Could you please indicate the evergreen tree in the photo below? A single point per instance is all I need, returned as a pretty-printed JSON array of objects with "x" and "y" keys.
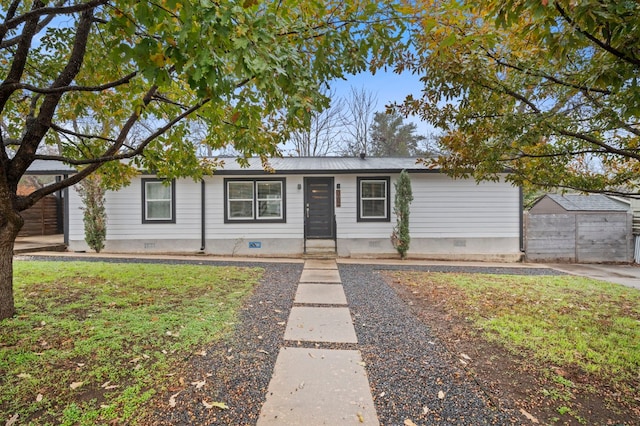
[
  {"x": 392, "y": 137},
  {"x": 404, "y": 196},
  {"x": 95, "y": 216}
]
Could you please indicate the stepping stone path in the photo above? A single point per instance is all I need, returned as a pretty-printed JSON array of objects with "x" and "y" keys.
[{"x": 313, "y": 384}]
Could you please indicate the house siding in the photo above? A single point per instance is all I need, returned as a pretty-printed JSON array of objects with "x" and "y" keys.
[{"x": 450, "y": 219}]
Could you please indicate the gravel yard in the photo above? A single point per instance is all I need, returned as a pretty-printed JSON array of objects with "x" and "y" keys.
[{"x": 412, "y": 375}]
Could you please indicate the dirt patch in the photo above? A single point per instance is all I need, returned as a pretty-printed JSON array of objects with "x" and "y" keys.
[{"x": 514, "y": 380}]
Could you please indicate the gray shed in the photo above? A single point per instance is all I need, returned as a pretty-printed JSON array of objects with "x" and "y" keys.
[{"x": 579, "y": 228}]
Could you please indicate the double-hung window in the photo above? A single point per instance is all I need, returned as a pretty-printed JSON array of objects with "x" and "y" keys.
[
  {"x": 254, "y": 200},
  {"x": 373, "y": 199},
  {"x": 158, "y": 201}
]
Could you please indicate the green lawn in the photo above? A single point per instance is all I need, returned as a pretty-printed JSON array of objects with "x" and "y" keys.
[
  {"x": 564, "y": 321},
  {"x": 92, "y": 342}
]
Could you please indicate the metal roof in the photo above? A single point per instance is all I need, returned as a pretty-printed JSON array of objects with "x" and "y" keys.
[
  {"x": 593, "y": 202},
  {"x": 325, "y": 165},
  {"x": 50, "y": 167}
]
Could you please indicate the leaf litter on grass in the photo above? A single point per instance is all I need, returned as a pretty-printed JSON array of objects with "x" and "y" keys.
[
  {"x": 581, "y": 336},
  {"x": 92, "y": 337}
]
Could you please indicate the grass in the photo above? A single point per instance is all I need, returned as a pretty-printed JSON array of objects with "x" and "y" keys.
[
  {"x": 92, "y": 342},
  {"x": 563, "y": 321}
]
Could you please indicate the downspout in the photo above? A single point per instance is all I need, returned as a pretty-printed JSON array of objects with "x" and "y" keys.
[
  {"x": 65, "y": 215},
  {"x": 202, "y": 217},
  {"x": 521, "y": 207}
]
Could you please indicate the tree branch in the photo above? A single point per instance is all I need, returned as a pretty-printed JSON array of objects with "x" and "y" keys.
[
  {"x": 53, "y": 90},
  {"x": 40, "y": 11},
  {"x": 607, "y": 47},
  {"x": 545, "y": 75},
  {"x": 19, "y": 58},
  {"x": 37, "y": 128}
]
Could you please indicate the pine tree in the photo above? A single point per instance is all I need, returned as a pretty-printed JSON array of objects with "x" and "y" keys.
[{"x": 404, "y": 196}]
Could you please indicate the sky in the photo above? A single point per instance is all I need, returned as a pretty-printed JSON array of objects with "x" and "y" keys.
[{"x": 388, "y": 87}]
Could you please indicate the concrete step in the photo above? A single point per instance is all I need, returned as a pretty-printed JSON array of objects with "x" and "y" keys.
[{"x": 320, "y": 249}]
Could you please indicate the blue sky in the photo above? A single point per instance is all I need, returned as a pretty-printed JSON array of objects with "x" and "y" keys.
[{"x": 388, "y": 87}]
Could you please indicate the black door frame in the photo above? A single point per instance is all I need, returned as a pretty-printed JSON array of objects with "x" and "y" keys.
[{"x": 329, "y": 181}]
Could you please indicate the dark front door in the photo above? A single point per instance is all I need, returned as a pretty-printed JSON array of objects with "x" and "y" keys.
[{"x": 318, "y": 203}]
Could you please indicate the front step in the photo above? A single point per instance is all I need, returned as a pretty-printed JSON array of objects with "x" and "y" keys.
[{"x": 319, "y": 249}]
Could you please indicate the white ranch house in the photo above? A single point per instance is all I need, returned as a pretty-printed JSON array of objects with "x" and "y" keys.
[{"x": 307, "y": 204}]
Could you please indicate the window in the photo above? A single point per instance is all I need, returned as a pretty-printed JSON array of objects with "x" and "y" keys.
[
  {"x": 373, "y": 199},
  {"x": 254, "y": 200},
  {"x": 158, "y": 201}
]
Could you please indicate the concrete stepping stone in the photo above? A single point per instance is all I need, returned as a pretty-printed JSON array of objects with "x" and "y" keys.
[
  {"x": 320, "y": 276},
  {"x": 320, "y": 264},
  {"x": 321, "y": 294},
  {"x": 312, "y": 324},
  {"x": 318, "y": 387}
]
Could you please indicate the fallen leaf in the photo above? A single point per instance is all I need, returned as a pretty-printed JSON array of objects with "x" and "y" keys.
[
  {"x": 362, "y": 364},
  {"x": 465, "y": 356},
  {"x": 282, "y": 323},
  {"x": 199, "y": 384},
  {"x": 220, "y": 405},
  {"x": 136, "y": 359},
  {"x": 202, "y": 353},
  {"x": 262, "y": 351},
  {"x": 172, "y": 399},
  {"x": 463, "y": 362},
  {"x": 528, "y": 416},
  {"x": 311, "y": 355},
  {"x": 80, "y": 364},
  {"x": 12, "y": 420},
  {"x": 40, "y": 397},
  {"x": 360, "y": 418},
  {"x": 425, "y": 410},
  {"x": 440, "y": 395},
  {"x": 76, "y": 385},
  {"x": 24, "y": 375},
  {"x": 108, "y": 386},
  {"x": 408, "y": 422}
]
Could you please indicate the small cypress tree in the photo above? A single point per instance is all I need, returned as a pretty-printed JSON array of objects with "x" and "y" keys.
[
  {"x": 404, "y": 196},
  {"x": 95, "y": 215}
]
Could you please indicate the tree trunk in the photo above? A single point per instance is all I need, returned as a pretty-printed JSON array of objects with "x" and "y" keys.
[{"x": 8, "y": 232}]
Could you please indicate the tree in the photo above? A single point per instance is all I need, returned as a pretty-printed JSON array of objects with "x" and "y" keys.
[
  {"x": 547, "y": 89},
  {"x": 94, "y": 213},
  {"x": 392, "y": 137},
  {"x": 145, "y": 71},
  {"x": 360, "y": 106},
  {"x": 400, "y": 237},
  {"x": 320, "y": 137}
]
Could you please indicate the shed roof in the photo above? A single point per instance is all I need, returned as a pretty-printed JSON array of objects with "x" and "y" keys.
[
  {"x": 325, "y": 165},
  {"x": 592, "y": 202}
]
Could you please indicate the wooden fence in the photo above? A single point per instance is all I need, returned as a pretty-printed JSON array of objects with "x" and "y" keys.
[
  {"x": 42, "y": 218},
  {"x": 581, "y": 238}
]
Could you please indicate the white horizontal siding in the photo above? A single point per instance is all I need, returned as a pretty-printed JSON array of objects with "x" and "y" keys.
[
  {"x": 442, "y": 208},
  {"x": 448, "y": 208}
]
